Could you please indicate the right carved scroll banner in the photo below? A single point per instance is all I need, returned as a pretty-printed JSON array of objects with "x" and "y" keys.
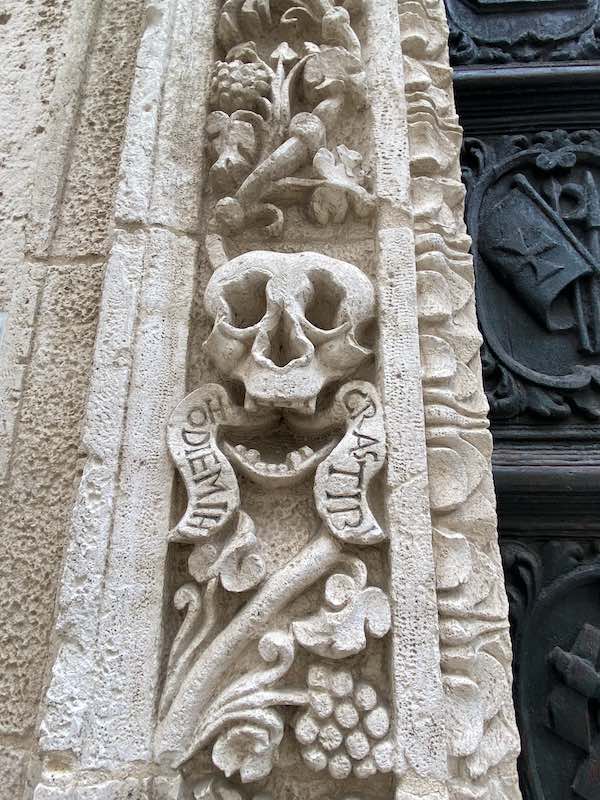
[{"x": 335, "y": 617}]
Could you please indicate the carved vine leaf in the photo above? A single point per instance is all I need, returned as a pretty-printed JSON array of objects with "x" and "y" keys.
[
  {"x": 351, "y": 612},
  {"x": 477, "y": 728},
  {"x": 453, "y": 562},
  {"x": 238, "y": 563},
  {"x": 456, "y": 469},
  {"x": 343, "y": 188}
]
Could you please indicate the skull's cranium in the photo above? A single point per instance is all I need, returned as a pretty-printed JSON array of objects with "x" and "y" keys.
[{"x": 287, "y": 324}]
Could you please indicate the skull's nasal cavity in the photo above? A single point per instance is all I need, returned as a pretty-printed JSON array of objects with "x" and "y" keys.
[{"x": 286, "y": 344}]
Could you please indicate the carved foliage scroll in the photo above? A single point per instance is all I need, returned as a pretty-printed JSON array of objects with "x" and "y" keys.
[
  {"x": 474, "y": 640},
  {"x": 504, "y": 31}
]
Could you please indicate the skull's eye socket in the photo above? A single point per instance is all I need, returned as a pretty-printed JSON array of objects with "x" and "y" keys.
[
  {"x": 323, "y": 310},
  {"x": 246, "y": 299}
]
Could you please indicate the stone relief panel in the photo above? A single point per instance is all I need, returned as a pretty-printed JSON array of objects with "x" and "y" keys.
[
  {"x": 553, "y": 591},
  {"x": 313, "y": 606},
  {"x": 522, "y": 31},
  {"x": 533, "y": 209},
  {"x": 286, "y": 326},
  {"x": 275, "y": 102},
  {"x": 275, "y": 677}
]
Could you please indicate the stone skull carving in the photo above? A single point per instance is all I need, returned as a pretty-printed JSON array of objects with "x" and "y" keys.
[{"x": 287, "y": 324}]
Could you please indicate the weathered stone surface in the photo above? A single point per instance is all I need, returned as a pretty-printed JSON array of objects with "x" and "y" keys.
[
  {"x": 31, "y": 53},
  {"x": 13, "y": 772},
  {"x": 329, "y": 599},
  {"x": 42, "y": 480},
  {"x": 138, "y": 370}
]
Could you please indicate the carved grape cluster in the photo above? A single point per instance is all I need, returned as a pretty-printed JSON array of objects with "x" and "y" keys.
[
  {"x": 239, "y": 85},
  {"x": 345, "y": 727}
]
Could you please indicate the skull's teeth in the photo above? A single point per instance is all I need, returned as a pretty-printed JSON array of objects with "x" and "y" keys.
[{"x": 293, "y": 459}]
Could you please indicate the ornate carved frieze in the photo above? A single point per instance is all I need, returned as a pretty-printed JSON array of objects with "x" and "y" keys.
[
  {"x": 276, "y": 99},
  {"x": 525, "y": 31},
  {"x": 533, "y": 209},
  {"x": 553, "y": 593}
]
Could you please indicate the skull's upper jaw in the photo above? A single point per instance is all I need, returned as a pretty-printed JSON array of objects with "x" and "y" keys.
[{"x": 296, "y": 383}]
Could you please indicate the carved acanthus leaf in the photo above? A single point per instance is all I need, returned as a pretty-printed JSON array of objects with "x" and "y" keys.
[{"x": 246, "y": 728}]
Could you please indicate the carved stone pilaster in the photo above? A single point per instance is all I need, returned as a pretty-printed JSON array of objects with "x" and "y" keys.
[
  {"x": 474, "y": 639},
  {"x": 312, "y": 604}
]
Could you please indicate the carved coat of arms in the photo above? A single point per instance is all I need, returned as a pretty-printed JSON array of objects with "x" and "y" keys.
[{"x": 534, "y": 214}]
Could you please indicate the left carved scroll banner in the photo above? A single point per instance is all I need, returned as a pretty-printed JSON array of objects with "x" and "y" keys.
[{"x": 264, "y": 625}]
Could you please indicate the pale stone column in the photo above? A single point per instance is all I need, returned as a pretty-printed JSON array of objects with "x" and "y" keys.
[
  {"x": 102, "y": 693},
  {"x": 343, "y": 627}
]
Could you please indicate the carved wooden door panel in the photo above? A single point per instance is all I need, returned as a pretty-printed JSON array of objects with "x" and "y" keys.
[{"x": 527, "y": 79}]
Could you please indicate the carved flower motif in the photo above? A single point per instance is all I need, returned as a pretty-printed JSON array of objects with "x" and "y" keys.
[
  {"x": 345, "y": 727},
  {"x": 249, "y": 748},
  {"x": 240, "y": 81}
]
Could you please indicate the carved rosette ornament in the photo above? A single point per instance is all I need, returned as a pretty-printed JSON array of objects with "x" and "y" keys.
[{"x": 362, "y": 643}]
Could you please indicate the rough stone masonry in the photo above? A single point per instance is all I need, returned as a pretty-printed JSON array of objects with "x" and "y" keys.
[{"x": 249, "y": 538}]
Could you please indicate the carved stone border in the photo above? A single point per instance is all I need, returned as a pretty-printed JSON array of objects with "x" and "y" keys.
[{"x": 459, "y": 443}]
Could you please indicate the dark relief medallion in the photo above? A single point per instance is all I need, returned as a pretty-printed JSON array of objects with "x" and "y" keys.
[
  {"x": 554, "y": 594},
  {"x": 533, "y": 210},
  {"x": 522, "y": 31}
]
